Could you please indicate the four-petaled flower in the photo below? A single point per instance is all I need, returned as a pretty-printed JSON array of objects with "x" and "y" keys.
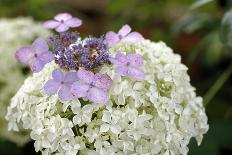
[
  {"x": 35, "y": 56},
  {"x": 62, "y": 22},
  {"x": 124, "y": 34},
  {"x": 61, "y": 84},
  {"x": 84, "y": 83},
  {"x": 93, "y": 86},
  {"x": 129, "y": 65}
]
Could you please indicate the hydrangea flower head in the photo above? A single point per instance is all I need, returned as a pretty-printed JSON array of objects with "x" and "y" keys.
[
  {"x": 129, "y": 65},
  {"x": 123, "y": 34},
  {"x": 155, "y": 111},
  {"x": 61, "y": 84},
  {"x": 93, "y": 86},
  {"x": 62, "y": 22},
  {"x": 35, "y": 56}
]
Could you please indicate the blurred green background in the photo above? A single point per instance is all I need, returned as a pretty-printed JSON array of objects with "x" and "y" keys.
[{"x": 200, "y": 31}]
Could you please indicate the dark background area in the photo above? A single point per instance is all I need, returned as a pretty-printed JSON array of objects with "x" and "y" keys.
[{"x": 201, "y": 34}]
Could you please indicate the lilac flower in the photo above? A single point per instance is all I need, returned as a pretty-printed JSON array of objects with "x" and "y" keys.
[
  {"x": 129, "y": 65},
  {"x": 62, "y": 22},
  {"x": 61, "y": 84},
  {"x": 124, "y": 34},
  {"x": 35, "y": 56},
  {"x": 93, "y": 86}
]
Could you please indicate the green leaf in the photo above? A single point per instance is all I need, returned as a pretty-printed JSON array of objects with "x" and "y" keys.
[
  {"x": 213, "y": 49},
  {"x": 191, "y": 23},
  {"x": 226, "y": 29},
  {"x": 219, "y": 136},
  {"x": 9, "y": 148},
  {"x": 210, "y": 49},
  {"x": 199, "y": 3}
]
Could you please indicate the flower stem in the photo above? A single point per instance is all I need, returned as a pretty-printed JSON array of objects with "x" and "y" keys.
[{"x": 217, "y": 85}]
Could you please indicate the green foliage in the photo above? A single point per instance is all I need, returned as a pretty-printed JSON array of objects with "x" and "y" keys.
[
  {"x": 210, "y": 20},
  {"x": 226, "y": 29},
  {"x": 9, "y": 148},
  {"x": 39, "y": 9},
  {"x": 219, "y": 136},
  {"x": 200, "y": 3},
  {"x": 192, "y": 23},
  {"x": 213, "y": 50}
]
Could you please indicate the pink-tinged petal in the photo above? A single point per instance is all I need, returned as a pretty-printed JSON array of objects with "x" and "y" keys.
[
  {"x": 46, "y": 57},
  {"x": 122, "y": 70},
  {"x": 136, "y": 73},
  {"x": 24, "y": 55},
  {"x": 79, "y": 89},
  {"x": 36, "y": 65},
  {"x": 98, "y": 95},
  {"x": 65, "y": 93},
  {"x": 51, "y": 24},
  {"x": 40, "y": 46},
  {"x": 126, "y": 29},
  {"x": 122, "y": 58},
  {"x": 115, "y": 61},
  {"x": 70, "y": 78},
  {"x": 51, "y": 87},
  {"x": 74, "y": 22},
  {"x": 102, "y": 81},
  {"x": 86, "y": 76},
  {"x": 133, "y": 37},
  {"x": 111, "y": 38},
  {"x": 62, "y": 28},
  {"x": 58, "y": 76},
  {"x": 135, "y": 60},
  {"x": 63, "y": 17}
]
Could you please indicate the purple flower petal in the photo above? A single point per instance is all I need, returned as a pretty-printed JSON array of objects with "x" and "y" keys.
[
  {"x": 120, "y": 59},
  {"x": 136, "y": 74},
  {"x": 62, "y": 28},
  {"x": 65, "y": 93},
  {"x": 24, "y": 55},
  {"x": 51, "y": 87},
  {"x": 133, "y": 37},
  {"x": 36, "y": 65},
  {"x": 129, "y": 65},
  {"x": 40, "y": 46},
  {"x": 102, "y": 81},
  {"x": 122, "y": 70},
  {"x": 111, "y": 38},
  {"x": 79, "y": 89},
  {"x": 58, "y": 76},
  {"x": 70, "y": 78},
  {"x": 74, "y": 22},
  {"x": 126, "y": 29},
  {"x": 97, "y": 95},
  {"x": 51, "y": 24},
  {"x": 63, "y": 17},
  {"x": 135, "y": 60},
  {"x": 46, "y": 57},
  {"x": 86, "y": 76}
]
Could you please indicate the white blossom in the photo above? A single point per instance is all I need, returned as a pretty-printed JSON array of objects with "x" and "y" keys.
[
  {"x": 14, "y": 34},
  {"x": 158, "y": 115}
]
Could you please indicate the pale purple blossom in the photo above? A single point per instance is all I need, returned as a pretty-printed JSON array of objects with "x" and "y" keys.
[
  {"x": 130, "y": 65},
  {"x": 123, "y": 34},
  {"x": 62, "y": 22},
  {"x": 35, "y": 56},
  {"x": 61, "y": 84},
  {"x": 93, "y": 86}
]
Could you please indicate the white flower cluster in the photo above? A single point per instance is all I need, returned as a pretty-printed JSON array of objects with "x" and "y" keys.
[
  {"x": 14, "y": 33},
  {"x": 158, "y": 115}
]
